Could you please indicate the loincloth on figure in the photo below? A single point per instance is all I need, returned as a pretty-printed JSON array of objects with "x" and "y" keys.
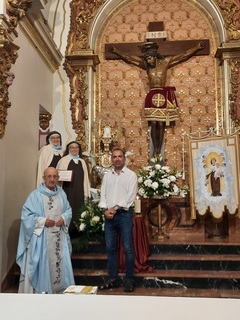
[{"x": 161, "y": 105}]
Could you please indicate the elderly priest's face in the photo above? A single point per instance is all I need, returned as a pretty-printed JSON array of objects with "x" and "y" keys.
[{"x": 50, "y": 178}]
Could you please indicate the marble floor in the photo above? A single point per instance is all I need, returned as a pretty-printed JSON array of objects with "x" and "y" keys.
[
  {"x": 170, "y": 292},
  {"x": 164, "y": 292}
]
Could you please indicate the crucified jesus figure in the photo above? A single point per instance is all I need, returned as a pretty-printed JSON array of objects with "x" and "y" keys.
[{"x": 160, "y": 102}]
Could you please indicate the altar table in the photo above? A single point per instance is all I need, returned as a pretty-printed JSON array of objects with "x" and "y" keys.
[{"x": 106, "y": 307}]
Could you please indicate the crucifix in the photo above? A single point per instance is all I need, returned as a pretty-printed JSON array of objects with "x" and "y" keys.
[{"x": 156, "y": 56}]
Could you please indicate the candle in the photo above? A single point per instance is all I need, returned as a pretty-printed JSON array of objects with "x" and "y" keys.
[
  {"x": 107, "y": 132},
  {"x": 137, "y": 205}
]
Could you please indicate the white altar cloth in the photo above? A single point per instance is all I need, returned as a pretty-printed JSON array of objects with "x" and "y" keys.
[{"x": 106, "y": 307}]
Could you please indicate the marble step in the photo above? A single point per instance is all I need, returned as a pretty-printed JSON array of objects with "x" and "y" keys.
[
  {"x": 221, "y": 262},
  {"x": 190, "y": 257},
  {"x": 186, "y": 279},
  {"x": 164, "y": 274},
  {"x": 196, "y": 257},
  {"x": 194, "y": 249},
  {"x": 181, "y": 247}
]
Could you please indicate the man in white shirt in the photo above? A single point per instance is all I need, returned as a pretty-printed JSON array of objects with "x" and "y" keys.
[{"x": 118, "y": 192}]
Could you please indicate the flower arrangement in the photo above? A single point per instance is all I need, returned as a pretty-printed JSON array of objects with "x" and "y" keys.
[
  {"x": 91, "y": 221},
  {"x": 90, "y": 224},
  {"x": 158, "y": 180}
]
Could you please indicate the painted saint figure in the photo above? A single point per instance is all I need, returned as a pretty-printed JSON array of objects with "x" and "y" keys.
[{"x": 214, "y": 178}]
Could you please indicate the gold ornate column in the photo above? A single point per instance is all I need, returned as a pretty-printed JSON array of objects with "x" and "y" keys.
[
  {"x": 8, "y": 51},
  {"x": 79, "y": 58},
  {"x": 230, "y": 52},
  {"x": 8, "y": 56}
]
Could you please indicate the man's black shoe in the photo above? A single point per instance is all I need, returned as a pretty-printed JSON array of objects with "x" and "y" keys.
[
  {"x": 110, "y": 284},
  {"x": 128, "y": 285}
]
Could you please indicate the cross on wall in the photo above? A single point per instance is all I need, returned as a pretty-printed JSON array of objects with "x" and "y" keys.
[{"x": 166, "y": 48}]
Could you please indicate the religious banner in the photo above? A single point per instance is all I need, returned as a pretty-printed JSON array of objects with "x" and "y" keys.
[{"x": 214, "y": 175}]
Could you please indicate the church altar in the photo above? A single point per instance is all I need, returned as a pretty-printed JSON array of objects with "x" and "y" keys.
[
  {"x": 104, "y": 307},
  {"x": 176, "y": 221}
]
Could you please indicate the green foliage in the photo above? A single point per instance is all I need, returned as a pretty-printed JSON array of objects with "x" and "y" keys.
[
  {"x": 90, "y": 225},
  {"x": 91, "y": 219}
]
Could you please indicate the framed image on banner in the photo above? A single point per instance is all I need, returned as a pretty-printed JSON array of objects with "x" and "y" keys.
[{"x": 214, "y": 175}]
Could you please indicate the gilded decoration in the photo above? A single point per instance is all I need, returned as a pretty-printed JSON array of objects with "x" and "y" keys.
[
  {"x": 79, "y": 57},
  {"x": 81, "y": 137},
  {"x": 234, "y": 96},
  {"x": 8, "y": 56},
  {"x": 231, "y": 15},
  {"x": 230, "y": 51},
  {"x": 44, "y": 120},
  {"x": 8, "y": 52},
  {"x": 16, "y": 10},
  {"x": 121, "y": 88}
]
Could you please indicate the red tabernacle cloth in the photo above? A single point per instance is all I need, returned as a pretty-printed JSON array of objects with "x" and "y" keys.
[{"x": 141, "y": 248}]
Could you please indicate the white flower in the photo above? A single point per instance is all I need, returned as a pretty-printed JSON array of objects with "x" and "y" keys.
[
  {"x": 91, "y": 220},
  {"x": 166, "y": 169},
  {"x": 167, "y": 193},
  {"x": 183, "y": 193},
  {"x": 159, "y": 180},
  {"x": 140, "y": 180},
  {"x": 84, "y": 214},
  {"x": 141, "y": 191},
  {"x": 154, "y": 160},
  {"x": 165, "y": 182},
  {"x": 82, "y": 226},
  {"x": 175, "y": 189},
  {"x": 172, "y": 178},
  {"x": 147, "y": 168},
  {"x": 154, "y": 185},
  {"x": 178, "y": 174},
  {"x": 95, "y": 219},
  {"x": 148, "y": 183}
]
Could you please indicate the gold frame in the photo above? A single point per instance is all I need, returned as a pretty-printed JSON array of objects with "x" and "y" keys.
[{"x": 216, "y": 158}]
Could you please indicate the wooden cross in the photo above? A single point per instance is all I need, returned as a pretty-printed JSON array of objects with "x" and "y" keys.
[
  {"x": 156, "y": 108},
  {"x": 166, "y": 48}
]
